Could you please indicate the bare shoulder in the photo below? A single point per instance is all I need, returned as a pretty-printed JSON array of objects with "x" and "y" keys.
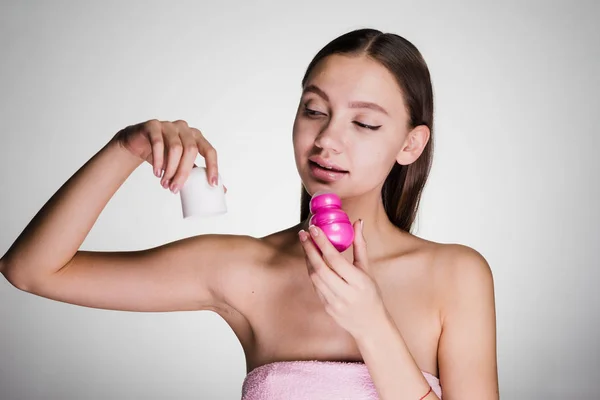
[
  {"x": 251, "y": 266},
  {"x": 451, "y": 268},
  {"x": 243, "y": 267},
  {"x": 462, "y": 266},
  {"x": 462, "y": 278}
]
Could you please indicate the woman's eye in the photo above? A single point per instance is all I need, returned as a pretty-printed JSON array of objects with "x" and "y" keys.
[
  {"x": 314, "y": 113},
  {"x": 371, "y": 127},
  {"x": 308, "y": 111}
]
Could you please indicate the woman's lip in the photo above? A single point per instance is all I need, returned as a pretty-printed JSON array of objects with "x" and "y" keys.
[
  {"x": 324, "y": 174},
  {"x": 325, "y": 165}
]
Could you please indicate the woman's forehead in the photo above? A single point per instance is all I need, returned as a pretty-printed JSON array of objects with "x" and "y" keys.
[{"x": 355, "y": 79}]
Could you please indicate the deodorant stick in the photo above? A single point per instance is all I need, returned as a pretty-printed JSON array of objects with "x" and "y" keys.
[{"x": 327, "y": 214}]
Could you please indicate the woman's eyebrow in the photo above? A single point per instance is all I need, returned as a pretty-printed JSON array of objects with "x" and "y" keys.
[{"x": 353, "y": 104}]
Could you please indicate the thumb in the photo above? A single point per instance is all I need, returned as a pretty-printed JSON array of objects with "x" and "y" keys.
[{"x": 360, "y": 246}]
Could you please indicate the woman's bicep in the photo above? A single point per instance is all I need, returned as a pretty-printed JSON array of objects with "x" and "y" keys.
[
  {"x": 177, "y": 276},
  {"x": 467, "y": 349}
]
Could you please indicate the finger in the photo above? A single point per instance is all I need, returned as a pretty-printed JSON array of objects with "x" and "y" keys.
[
  {"x": 154, "y": 132},
  {"x": 225, "y": 188},
  {"x": 317, "y": 282},
  {"x": 304, "y": 236},
  {"x": 336, "y": 287},
  {"x": 174, "y": 149},
  {"x": 210, "y": 156},
  {"x": 327, "y": 295},
  {"x": 190, "y": 150},
  {"x": 360, "y": 246},
  {"x": 319, "y": 293},
  {"x": 328, "y": 276},
  {"x": 332, "y": 257},
  {"x": 323, "y": 243},
  {"x": 311, "y": 251}
]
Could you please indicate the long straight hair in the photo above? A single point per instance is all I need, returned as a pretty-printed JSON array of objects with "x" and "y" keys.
[{"x": 401, "y": 191}]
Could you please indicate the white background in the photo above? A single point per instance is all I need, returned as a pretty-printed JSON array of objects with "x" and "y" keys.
[{"x": 515, "y": 172}]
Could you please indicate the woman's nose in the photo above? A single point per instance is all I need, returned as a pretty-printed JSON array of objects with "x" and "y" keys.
[{"x": 330, "y": 138}]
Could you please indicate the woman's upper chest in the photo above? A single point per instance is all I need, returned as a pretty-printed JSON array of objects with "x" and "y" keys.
[{"x": 288, "y": 320}]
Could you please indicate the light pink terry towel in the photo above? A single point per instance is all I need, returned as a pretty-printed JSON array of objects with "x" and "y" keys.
[{"x": 315, "y": 380}]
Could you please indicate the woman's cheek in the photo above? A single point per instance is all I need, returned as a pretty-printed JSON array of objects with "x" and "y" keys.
[
  {"x": 371, "y": 160},
  {"x": 303, "y": 138}
]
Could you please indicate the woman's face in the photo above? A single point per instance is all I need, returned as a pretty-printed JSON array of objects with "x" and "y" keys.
[{"x": 351, "y": 115}]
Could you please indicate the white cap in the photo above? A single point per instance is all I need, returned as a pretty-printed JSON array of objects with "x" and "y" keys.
[{"x": 199, "y": 198}]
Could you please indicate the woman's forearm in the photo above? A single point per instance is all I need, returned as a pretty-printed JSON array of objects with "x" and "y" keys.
[{"x": 391, "y": 366}]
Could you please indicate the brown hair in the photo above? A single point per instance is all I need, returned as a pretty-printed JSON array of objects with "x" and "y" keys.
[{"x": 404, "y": 184}]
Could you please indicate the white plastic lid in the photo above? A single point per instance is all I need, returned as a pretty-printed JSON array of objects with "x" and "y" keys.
[{"x": 199, "y": 198}]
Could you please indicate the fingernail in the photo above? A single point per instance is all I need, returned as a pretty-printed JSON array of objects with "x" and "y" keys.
[
  {"x": 303, "y": 235},
  {"x": 156, "y": 172},
  {"x": 362, "y": 231},
  {"x": 213, "y": 181},
  {"x": 313, "y": 230},
  {"x": 174, "y": 188}
]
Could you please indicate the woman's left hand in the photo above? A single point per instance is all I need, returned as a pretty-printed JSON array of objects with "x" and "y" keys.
[{"x": 346, "y": 289}]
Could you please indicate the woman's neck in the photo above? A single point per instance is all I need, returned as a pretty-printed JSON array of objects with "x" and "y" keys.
[{"x": 378, "y": 229}]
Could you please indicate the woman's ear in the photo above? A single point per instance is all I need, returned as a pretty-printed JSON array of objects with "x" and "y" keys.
[{"x": 413, "y": 145}]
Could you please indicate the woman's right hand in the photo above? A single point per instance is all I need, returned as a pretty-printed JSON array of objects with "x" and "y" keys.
[{"x": 171, "y": 148}]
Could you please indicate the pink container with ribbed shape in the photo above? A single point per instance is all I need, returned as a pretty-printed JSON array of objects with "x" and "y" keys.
[{"x": 327, "y": 214}]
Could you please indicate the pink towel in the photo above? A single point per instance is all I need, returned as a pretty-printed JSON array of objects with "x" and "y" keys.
[{"x": 315, "y": 380}]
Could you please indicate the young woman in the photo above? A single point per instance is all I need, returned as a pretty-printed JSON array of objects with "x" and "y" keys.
[{"x": 393, "y": 317}]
